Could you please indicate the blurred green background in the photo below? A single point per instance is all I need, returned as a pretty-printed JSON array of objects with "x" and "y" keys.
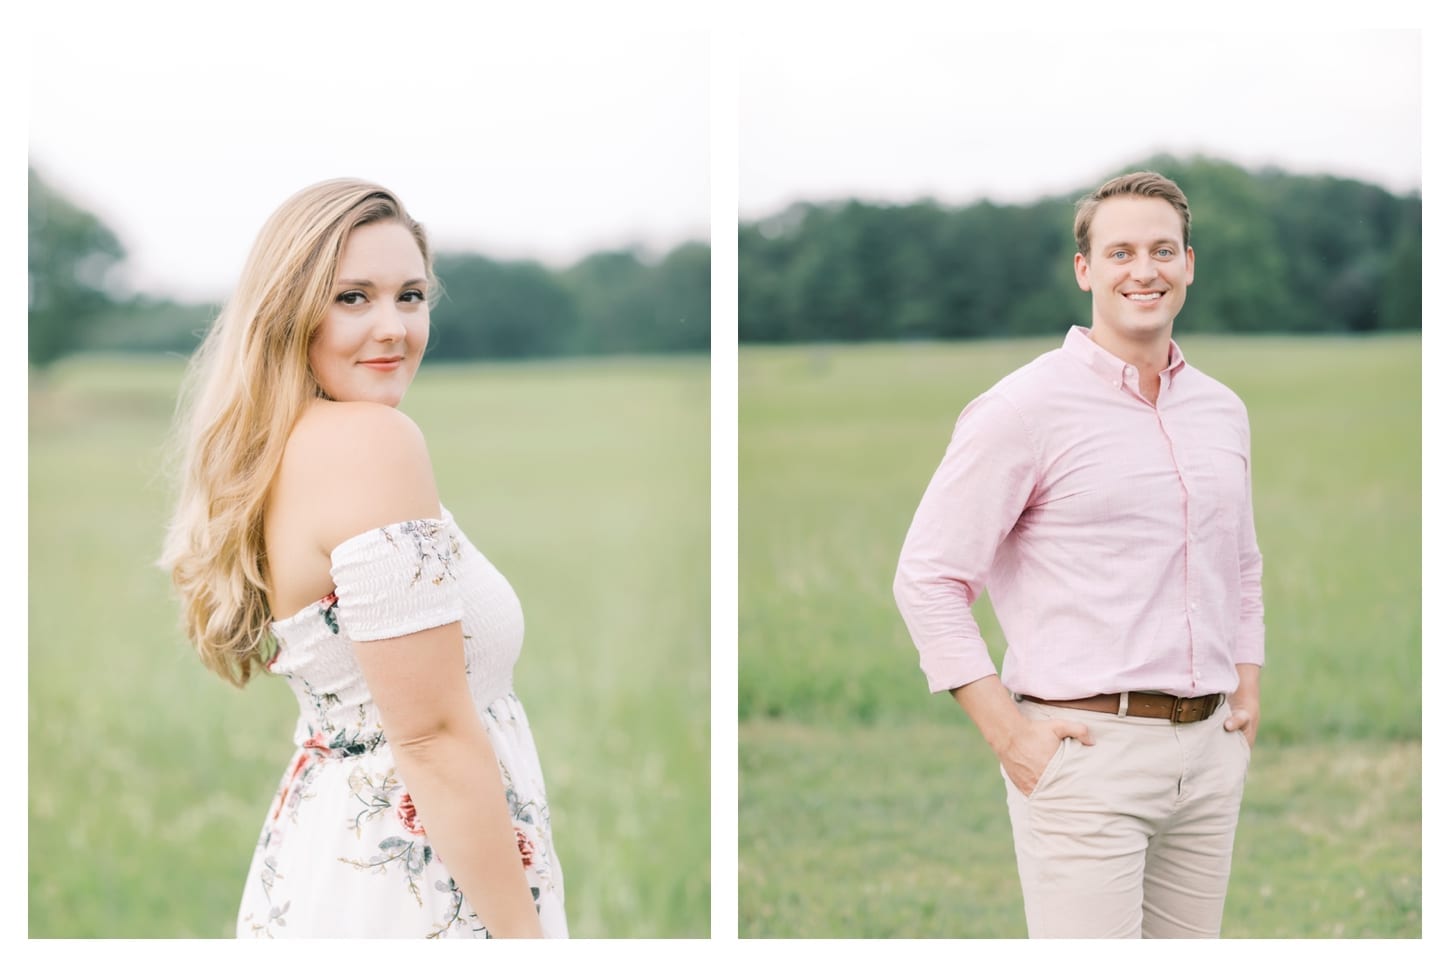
[
  {"x": 869, "y": 808},
  {"x": 1279, "y": 252},
  {"x": 585, "y": 481},
  {"x": 622, "y": 300}
]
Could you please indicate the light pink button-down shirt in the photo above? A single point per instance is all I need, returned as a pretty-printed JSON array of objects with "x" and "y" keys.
[{"x": 1116, "y": 537}]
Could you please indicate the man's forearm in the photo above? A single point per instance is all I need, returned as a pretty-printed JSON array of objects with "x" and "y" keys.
[
  {"x": 991, "y": 707},
  {"x": 1248, "y": 682},
  {"x": 1244, "y": 703},
  {"x": 1022, "y": 745}
]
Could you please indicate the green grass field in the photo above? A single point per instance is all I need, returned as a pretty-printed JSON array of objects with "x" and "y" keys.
[
  {"x": 585, "y": 482},
  {"x": 869, "y": 808}
]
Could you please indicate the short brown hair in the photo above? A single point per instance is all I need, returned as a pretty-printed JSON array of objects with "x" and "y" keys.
[{"x": 1144, "y": 184}]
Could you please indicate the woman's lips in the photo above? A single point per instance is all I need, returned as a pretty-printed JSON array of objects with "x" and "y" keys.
[{"x": 383, "y": 365}]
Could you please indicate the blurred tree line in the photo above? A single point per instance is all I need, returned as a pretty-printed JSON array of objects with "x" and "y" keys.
[
  {"x": 71, "y": 258},
  {"x": 609, "y": 302},
  {"x": 1276, "y": 252}
]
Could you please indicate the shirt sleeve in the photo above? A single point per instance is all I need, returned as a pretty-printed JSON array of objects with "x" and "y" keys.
[
  {"x": 398, "y": 579},
  {"x": 972, "y": 503},
  {"x": 1248, "y": 648}
]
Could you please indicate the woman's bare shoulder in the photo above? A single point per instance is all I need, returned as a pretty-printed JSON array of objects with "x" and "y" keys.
[
  {"x": 357, "y": 466},
  {"x": 325, "y": 423}
]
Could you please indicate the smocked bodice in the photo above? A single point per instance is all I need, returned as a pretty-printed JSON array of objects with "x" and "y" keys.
[{"x": 389, "y": 582}]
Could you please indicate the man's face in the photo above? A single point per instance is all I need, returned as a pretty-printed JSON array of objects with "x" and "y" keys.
[{"x": 1138, "y": 269}]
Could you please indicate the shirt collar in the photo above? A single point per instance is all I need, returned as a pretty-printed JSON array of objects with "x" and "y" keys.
[{"x": 1080, "y": 346}]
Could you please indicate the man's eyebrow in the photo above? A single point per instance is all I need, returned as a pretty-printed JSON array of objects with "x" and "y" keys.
[{"x": 1156, "y": 241}]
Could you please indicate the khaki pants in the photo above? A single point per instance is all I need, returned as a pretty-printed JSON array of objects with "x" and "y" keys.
[{"x": 1131, "y": 836}]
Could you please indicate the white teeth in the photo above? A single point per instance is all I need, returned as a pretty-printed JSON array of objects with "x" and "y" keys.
[{"x": 1145, "y": 297}]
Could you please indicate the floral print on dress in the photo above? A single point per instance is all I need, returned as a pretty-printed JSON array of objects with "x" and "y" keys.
[
  {"x": 435, "y": 550},
  {"x": 408, "y": 816},
  {"x": 455, "y": 916},
  {"x": 410, "y": 854},
  {"x": 343, "y": 850},
  {"x": 379, "y": 796},
  {"x": 328, "y": 609},
  {"x": 526, "y": 848},
  {"x": 373, "y": 794}
]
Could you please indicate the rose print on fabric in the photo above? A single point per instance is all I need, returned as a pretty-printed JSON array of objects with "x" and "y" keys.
[
  {"x": 408, "y": 816},
  {"x": 526, "y": 849},
  {"x": 341, "y": 823}
]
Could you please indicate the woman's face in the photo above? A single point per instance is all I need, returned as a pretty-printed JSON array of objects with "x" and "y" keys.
[{"x": 372, "y": 337}]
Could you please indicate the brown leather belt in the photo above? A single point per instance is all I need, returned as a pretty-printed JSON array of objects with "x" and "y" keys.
[{"x": 1143, "y": 704}]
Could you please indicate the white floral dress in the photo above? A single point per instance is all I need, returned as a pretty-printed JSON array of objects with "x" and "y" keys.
[{"x": 343, "y": 852}]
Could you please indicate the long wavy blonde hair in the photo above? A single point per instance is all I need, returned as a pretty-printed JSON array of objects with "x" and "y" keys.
[{"x": 244, "y": 390}]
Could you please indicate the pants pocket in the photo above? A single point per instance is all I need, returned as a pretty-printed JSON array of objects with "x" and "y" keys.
[
  {"x": 1052, "y": 769},
  {"x": 1244, "y": 741}
]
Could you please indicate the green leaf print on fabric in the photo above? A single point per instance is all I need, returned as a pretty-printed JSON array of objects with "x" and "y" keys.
[
  {"x": 329, "y": 612},
  {"x": 410, "y": 856},
  {"x": 374, "y": 791}
]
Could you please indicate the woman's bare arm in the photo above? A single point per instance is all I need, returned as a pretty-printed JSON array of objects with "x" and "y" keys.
[
  {"x": 371, "y": 468},
  {"x": 448, "y": 765}
]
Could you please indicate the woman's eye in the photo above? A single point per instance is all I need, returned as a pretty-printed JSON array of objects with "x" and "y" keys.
[
  {"x": 351, "y": 298},
  {"x": 412, "y": 295}
]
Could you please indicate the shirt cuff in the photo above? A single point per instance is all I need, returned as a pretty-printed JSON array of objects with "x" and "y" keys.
[
  {"x": 1249, "y": 647},
  {"x": 957, "y": 663}
]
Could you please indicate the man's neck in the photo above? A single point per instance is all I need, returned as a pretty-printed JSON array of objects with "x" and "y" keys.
[{"x": 1149, "y": 357}]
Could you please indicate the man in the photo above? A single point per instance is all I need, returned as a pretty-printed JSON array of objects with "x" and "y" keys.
[{"x": 1101, "y": 493}]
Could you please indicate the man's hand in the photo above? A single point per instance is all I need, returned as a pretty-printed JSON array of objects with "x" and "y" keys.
[
  {"x": 1031, "y": 747},
  {"x": 1023, "y": 746},
  {"x": 1244, "y": 704}
]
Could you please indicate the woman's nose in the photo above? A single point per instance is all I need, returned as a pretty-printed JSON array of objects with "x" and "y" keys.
[{"x": 388, "y": 323}]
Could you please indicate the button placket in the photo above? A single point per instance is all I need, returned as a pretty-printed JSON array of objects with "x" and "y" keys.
[{"x": 1192, "y": 503}]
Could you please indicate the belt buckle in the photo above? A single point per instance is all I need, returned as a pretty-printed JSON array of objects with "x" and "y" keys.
[{"x": 1178, "y": 710}]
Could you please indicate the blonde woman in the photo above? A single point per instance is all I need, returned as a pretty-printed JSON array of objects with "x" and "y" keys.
[{"x": 309, "y": 540}]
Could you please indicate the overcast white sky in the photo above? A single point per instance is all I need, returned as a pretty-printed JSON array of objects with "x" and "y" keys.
[
  {"x": 185, "y": 131},
  {"x": 184, "y": 126},
  {"x": 961, "y": 113}
]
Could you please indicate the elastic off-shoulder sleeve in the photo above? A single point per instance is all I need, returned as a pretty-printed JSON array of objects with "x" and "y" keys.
[{"x": 398, "y": 579}]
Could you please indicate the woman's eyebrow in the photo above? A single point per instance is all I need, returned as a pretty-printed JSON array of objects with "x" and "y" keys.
[{"x": 369, "y": 284}]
